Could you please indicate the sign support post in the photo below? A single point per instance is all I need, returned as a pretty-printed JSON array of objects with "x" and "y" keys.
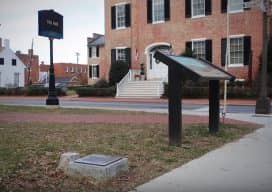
[
  {"x": 52, "y": 95},
  {"x": 51, "y": 26}
]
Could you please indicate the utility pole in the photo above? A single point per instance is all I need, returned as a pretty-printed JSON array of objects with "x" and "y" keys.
[
  {"x": 227, "y": 59},
  {"x": 263, "y": 105},
  {"x": 77, "y": 55}
]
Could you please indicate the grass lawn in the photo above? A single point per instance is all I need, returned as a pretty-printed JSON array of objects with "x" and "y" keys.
[{"x": 30, "y": 151}]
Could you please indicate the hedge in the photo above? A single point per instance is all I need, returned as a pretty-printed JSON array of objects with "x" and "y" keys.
[
  {"x": 233, "y": 92},
  {"x": 30, "y": 91},
  {"x": 95, "y": 92}
]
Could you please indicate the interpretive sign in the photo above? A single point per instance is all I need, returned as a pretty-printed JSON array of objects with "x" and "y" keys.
[
  {"x": 197, "y": 69},
  {"x": 50, "y": 24}
]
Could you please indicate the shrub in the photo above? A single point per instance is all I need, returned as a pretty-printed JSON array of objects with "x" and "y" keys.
[
  {"x": 42, "y": 91},
  {"x": 102, "y": 83},
  {"x": 14, "y": 91},
  {"x": 190, "y": 92},
  {"x": 117, "y": 71},
  {"x": 2, "y": 91},
  {"x": 95, "y": 92}
]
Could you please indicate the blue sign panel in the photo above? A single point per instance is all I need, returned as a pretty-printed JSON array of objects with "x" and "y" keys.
[{"x": 50, "y": 24}]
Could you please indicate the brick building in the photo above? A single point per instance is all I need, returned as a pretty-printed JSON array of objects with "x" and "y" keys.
[
  {"x": 65, "y": 73},
  {"x": 134, "y": 29},
  {"x": 31, "y": 62}
]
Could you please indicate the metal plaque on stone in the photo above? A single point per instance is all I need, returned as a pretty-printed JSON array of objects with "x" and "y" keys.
[{"x": 98, "y": 159}]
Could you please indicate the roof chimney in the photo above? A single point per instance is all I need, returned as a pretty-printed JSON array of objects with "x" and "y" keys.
[{"x": 6, "y": 43}]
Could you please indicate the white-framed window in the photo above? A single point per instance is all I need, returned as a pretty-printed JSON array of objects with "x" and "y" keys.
[
  {"x": 236, "y": 6},
  {"x": 16, "y": 79},
  {"x": 158, "y": 11},
  {"x": 198, "y": 8},
  {"x": 67, "y": 69},
  {"x": 72, "y": 70},
  {"x": 93, "y": 71},
  {"x": 93, "y": 49},
  {"x": 121, "y": 54},
  {"x": 237, "y": 51},
  {"x": 199, "y": 48},
  {"x": 120, "y": 16}
]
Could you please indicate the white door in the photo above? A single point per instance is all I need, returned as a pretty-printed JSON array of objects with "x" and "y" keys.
[{"x": 156, "y": 70}]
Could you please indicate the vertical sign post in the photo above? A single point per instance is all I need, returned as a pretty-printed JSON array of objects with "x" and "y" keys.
[{"x": 51, "y": 26}]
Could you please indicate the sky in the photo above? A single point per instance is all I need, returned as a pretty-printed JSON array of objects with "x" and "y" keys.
[{"x": 81, "y": 18}]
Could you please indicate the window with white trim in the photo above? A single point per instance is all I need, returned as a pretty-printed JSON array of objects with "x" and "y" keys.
[
  {"x": 93, "y": 51},
  {"x": 158, "y": 10},
  {"x": 236, "y": 5},
  {"x": 236, "y": 51},
  {"x": 94, "y": 71},
  {"x": 67, "y": 69},
  {"x": 120, "y": 16},
  {"x": 199, "y": 48},
  {"x": 121, "y": 54},
  {"x": 198, "y": 8}
]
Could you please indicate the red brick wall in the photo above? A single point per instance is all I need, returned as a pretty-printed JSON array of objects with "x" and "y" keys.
[
  {"x": 180, "y": 29},
  {"x": 60, "y": 70},
  {"x": 34, "y": 73}
]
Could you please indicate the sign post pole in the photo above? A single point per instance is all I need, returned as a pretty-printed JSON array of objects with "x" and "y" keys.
[
  {"x": 51, "y": 26},
  {"x": 52, "y": 95}
]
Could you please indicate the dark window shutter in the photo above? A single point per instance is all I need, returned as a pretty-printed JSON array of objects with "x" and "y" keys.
[
  {"x": 223, "y": 51},
  {"x": 1, "y": 61},
  {"x": 167, "y": 10},
  {"x": 113, "y": 17},
  {"x": 128, "y": 17},
  {"x": 149, "y": 11},
  {"x": 113, "y": 56},
  {"x": 128, "y": 56},
  {"x": 244, "y": 2},
  {"x": 97, "y": 71},
  {"x": 188, "y": 8},
  {"x": 224, "y": 6},
  {"x": 209, "y": 50},
  {"x": 90, "y": 71},
  {"x": 247, "y": 50},
  {"x": 97, "y": 51},
  {"x": 188, "y": 45},
  {"x": 208, "y": 7},
  {"x": 90, "y": 52}
]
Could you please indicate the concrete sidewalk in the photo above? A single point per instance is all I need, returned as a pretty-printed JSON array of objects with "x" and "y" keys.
[{"x": 242, "y": 166}]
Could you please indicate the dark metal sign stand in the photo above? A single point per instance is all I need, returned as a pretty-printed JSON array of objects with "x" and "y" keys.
[
  {"x": 52, "y": 94},
  {"x": 51, "y": 26},
  {"x": 198, "y": 69}
]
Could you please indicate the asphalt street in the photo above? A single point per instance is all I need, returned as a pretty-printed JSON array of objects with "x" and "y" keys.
[{"x": 123, "y": 105}]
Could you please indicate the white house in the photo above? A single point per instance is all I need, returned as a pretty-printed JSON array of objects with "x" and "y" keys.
[{"x": 11, "y": 67}]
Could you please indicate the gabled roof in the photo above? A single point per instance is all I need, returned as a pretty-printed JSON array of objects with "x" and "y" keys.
[{"x": 99, "y": 41}]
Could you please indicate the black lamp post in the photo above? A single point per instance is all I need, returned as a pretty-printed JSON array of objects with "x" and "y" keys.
[
  {"x": 52, "y": 95},
  {"x": 51, "y": 26}
]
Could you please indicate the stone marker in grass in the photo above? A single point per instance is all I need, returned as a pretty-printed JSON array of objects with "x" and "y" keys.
[{"x": 98, "y": 166}]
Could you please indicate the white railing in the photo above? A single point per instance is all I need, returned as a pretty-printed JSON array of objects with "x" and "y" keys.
[
  {"x": 125, "y": 79},
  {"x": 130, "y": 76}
]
